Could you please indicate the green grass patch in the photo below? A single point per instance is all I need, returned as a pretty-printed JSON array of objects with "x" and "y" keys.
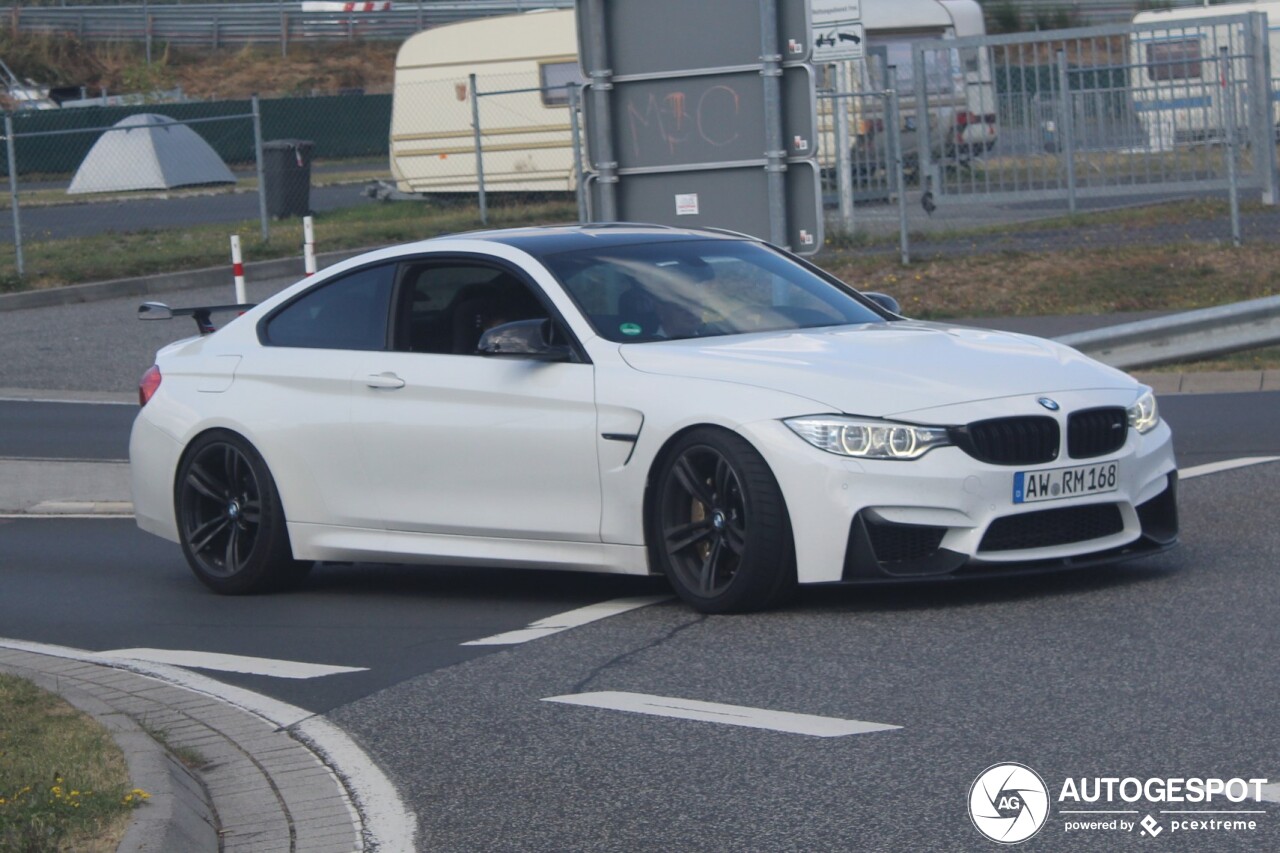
[
  {"x": 63, "y": 782},
  {"x": 55, "y": 263}
]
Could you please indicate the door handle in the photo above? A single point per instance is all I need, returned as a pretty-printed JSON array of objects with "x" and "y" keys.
[{"x": 384, "y": 380}]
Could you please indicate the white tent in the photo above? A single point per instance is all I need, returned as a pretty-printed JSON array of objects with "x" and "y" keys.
[{"x": 153, "y": 152}]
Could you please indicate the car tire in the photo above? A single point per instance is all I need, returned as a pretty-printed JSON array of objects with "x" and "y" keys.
[
  {"x": 231, "y": 524},
  {"x": 718, "y": 527}
]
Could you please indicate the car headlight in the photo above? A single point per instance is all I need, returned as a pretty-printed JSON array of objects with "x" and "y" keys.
[
  {"x": 1144, "y": 415},
  {"x": 868, "y": 439}
]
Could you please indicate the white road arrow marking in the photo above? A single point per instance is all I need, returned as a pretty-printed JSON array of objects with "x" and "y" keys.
[
  {"x": 230, "y": 663},
  {"x": 729, "y": 715},
  {"x": 571, "y": 619}
]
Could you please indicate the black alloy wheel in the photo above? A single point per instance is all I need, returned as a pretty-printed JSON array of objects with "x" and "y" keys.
[
  {"x": 230, "y": 522},
  {"x": 719, "y": 527}
]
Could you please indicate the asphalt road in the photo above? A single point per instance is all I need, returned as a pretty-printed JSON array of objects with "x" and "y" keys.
[
  {"x": 1164, "y": 667},
  {"x": 1161, "y": 667}
]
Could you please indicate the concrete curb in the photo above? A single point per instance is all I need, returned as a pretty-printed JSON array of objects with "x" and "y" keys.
[
  {"x": 262, "y": 786},
  {"x": 178, "y": 815},
  {"x": 164, "y": 282}
]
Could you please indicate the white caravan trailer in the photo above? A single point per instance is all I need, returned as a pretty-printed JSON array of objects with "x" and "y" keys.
[
  {"x": 527, "y": 136},
  {"x": 534, "y": 56},
  {"x": 1176, "y": 73}
]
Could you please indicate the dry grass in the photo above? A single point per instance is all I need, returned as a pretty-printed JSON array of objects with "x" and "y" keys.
[
  {"x": 63, "y": 781},
  {"x": 1077, "y": 281}
]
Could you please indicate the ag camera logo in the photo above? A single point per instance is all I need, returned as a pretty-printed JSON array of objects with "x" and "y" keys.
[{"x": 1008, "y": 803}]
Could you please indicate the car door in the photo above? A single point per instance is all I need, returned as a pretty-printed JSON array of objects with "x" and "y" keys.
[
  {"x": 461, "y": 443},
  {"x": 299, "y": 386}
]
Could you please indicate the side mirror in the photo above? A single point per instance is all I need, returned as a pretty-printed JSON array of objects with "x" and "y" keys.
[
  {"x": 154, "y": 311},
  {"x": 535, "y": 339},
  {"x": 885, "y": 301}
]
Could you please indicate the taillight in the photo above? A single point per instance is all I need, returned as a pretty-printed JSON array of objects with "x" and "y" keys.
[
  {"x": 964, "y": 119},
  {"x": 150, "y": 382}
]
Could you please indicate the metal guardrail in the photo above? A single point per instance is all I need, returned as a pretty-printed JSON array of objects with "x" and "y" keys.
[
  {"x": 1199, "y": 334},
  {"x": 218, "y": 24}
]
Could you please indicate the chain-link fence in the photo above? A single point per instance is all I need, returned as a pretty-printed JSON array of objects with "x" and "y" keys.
[{"x": 925, "y": 148}]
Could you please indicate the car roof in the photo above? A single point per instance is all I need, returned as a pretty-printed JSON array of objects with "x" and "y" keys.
[{"x": 541, "y": 241}]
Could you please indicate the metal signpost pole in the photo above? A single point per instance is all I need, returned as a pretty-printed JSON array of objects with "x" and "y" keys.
[
  {"x": 601, "y": 142},
  {"x": 475, "y": 123},
  {"x": 257, "y": 158},
  {"x": 575, "y": 103},
  {"x": 13, "y": 191},
  {"x": 1264, "y": 149},
  {"x": 775, "y": 151}
]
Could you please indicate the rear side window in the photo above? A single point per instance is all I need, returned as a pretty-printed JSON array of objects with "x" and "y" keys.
[{"x": 347, "y": 313}]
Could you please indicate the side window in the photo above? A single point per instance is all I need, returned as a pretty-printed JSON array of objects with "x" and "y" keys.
[
  {"x": 555, "y": 78},
  {"x": 347, "y": 313},
  {"x": 444, "y": 307}
]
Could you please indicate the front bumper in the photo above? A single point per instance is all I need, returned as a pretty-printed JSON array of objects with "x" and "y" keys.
[
  {"x": 884, "y": 552},
  {"x": 948, "y": 514}
]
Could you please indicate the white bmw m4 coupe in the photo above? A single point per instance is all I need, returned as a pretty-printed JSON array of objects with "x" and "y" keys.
[{"x": 636, "y": 399}]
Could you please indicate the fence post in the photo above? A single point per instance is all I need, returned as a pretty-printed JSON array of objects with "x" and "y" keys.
[
  {"x": 844, "y": 152},
  {"x": 899, "y": 178},
  {"x": 575, "y": 101},
  {"x": 257, "y": 157},
  {"x": 13, "y": 191},
  {"x": 1068, "y": 130},
  {"x": 930, "y": 175},
  {"x": 475, "y": 123},
  {"x": 284, "y": 31},
  {"x": 1228, "y": 90}
]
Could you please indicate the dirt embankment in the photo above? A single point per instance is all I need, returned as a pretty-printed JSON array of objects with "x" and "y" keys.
[{"x": 202, "y": 74}]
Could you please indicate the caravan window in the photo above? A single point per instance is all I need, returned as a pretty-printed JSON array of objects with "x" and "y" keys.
[
  {"x": 555, "y": 78},
  {"x": 1174, "y": 60}
]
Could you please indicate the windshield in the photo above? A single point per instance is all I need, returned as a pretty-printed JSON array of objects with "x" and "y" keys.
[{"x": 704, "y": 288}]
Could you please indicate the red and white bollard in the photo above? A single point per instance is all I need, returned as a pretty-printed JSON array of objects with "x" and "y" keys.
[
  {"x": 237, "y": 269},
  {"x": 308, "y": 246}
]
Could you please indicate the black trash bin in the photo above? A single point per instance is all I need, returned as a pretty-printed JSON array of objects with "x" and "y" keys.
[{"x": 286, "y": 172}]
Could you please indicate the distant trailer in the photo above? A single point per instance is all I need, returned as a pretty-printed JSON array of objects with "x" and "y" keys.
[
  {"x": 533, "y": 59},
  {"x": 1177, "y": 74}
]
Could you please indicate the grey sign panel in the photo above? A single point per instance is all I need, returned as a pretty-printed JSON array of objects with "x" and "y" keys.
[
  {"x": 705, "y": 120},
  {"x": 662, "y": 36},
  {"x": 723, "y": 198}
]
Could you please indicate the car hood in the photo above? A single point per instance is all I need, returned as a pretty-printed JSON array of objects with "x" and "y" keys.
[{"x": 882, "y": 369}]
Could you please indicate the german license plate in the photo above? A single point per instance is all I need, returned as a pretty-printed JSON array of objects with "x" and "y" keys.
[{"x": 1033, "y": 486}]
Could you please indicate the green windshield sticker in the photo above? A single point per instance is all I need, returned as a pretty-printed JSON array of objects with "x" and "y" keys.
[{"x": 630, "y": 329}]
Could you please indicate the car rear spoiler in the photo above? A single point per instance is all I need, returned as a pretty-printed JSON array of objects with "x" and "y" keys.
[{"x": 202, "y": 314}]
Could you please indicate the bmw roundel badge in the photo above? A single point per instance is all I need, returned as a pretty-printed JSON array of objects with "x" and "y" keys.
[{"x": 1051, "y": 405}]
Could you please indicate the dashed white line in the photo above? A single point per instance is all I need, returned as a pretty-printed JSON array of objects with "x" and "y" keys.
[
  {"x": 1225, "y": 465},
  {"x": 570, "y": 619},
  {"x": 729, "y": 715},
  {"x": 231, "y": 663}
]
